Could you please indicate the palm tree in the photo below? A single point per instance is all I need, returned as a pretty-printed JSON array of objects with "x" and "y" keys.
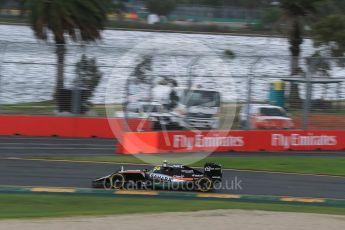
[
  {"x": 296, "y": 11},
  {"x": 81, "y": 20}
]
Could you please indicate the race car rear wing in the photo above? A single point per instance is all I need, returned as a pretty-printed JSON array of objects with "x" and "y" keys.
[{"x": 213, "y": 171}]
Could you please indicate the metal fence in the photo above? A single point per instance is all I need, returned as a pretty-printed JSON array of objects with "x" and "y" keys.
[
  {"x": 103, "y": 81},
  {"x": 184, "y": 11}
]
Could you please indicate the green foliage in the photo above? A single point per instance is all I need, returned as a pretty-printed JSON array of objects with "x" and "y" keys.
[
  {"x": 271, "y": 16},
  {"x": 88, "y": 74},
  {"x": 161, "y": 7},
  {"x": 320, "y": 64},
  {"x": 141, "y": 69},
  {"x": 330, "y": 32},
  {"x": 200, "y": 2},
  {"x": 80, "y": 19},
  {"x": 299, "y": 8},
  {"x": 233, "y": 3},
  {"x": 329, "y": 7},
  {"x": 87, "y": 79},
  {"x": 250, "y": 4},
  {"x": 296, "y": 12},
  {"x": 118, "y": 8},
  {"x": 230, "y": 54}
]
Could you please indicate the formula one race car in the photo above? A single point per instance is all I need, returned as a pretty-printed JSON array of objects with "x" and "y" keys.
[{"x": 166, "y": 176}]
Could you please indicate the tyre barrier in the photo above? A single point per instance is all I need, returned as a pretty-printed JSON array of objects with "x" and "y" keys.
[{"x": 326, "y": 202}]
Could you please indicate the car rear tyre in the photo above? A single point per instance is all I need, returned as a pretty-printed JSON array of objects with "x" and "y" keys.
[{"x": 204, "y": 184}]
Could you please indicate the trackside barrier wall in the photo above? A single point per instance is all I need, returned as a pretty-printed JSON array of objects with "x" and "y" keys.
[
  {"x": 167, "y": 142},
  {"x": 239, "y": 141},
  {"x": 66, "y": 126}
]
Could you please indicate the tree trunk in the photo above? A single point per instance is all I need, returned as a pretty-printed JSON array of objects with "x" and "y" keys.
[
  {"x": 60, "y": 69},
  {"x": 295, "y": 40}
]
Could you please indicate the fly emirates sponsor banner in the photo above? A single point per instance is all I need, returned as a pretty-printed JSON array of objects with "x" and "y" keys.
[
  {"x": 253, "y": 141},
  {"x": 300, "y": 140},
  {"x": 200, "y": 141},
  {"x": 238, "y": 141}
]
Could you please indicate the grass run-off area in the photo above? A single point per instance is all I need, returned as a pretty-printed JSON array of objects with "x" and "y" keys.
[
  {"x": 38, "y": 206},
  {"x": 303, "y": 165}
]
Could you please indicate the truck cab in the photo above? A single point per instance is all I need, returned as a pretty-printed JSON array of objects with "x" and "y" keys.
[
  {"x": 197, "y": 108},
  {"x": 178, "y": 108}
]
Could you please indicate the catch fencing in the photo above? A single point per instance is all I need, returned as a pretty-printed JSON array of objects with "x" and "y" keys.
[{"x": 103, "y": 81}]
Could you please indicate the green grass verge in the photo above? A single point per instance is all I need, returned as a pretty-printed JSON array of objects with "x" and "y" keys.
[
  {"x": 303, "y": 165},
  {"x": 38, "y": 206},
  {"x": 46, "y": 108}
]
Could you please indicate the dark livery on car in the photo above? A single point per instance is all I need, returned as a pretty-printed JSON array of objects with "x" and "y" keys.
[{"x": 166, "y": 176}]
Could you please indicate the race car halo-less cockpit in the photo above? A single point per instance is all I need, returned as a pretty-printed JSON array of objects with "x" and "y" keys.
[{"x": 165, "y": 176}]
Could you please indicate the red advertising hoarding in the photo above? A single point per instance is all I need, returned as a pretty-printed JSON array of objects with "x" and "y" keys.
[
  {"x": 168, "y": 142},
  {"x": 82, "y": 127},
  {"x": 239, "y": 141}
]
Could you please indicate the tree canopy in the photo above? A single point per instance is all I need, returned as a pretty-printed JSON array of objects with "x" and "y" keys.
[
  {"x": 330, "y": 32},
  {"x": 295, "y": 13},
  {"x": 161, "y": 7},
  {"x": 299, "y": 8},
  {"x": 80, "y": 19},
  {"x": 234, "y": 3}
]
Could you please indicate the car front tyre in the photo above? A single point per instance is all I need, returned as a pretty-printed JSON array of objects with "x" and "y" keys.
[{"x": 117, "y": 181}]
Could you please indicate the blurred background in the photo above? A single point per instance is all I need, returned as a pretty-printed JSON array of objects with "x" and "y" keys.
[{"x": 285, "y": 65}]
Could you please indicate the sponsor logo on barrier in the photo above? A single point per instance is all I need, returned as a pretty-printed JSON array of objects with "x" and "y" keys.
[
  {"x": 303, "y": 140},
  {"x": 218, "y": 141},
  {"x": 201, "y": 141}
]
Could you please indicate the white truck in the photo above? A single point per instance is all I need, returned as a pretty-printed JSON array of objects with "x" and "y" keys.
[
  {"x": 197, "y": 108},
  {"x": 147, "y": 110},
  {"x": 188, "y": 109}
]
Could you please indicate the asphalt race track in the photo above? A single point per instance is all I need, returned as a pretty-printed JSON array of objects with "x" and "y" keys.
[
  {"x": 15, "y": 170},
  {"x": 68, "y": 174},
  {"x": 52, "y": 146}
]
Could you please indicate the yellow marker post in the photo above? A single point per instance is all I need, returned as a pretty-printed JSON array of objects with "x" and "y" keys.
[
  {"x": 303, "y": 200},
  {"x": 143, "y": 193},
  {"x": 221, "y": 196},
  {"x": 54, "y": 190}
]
